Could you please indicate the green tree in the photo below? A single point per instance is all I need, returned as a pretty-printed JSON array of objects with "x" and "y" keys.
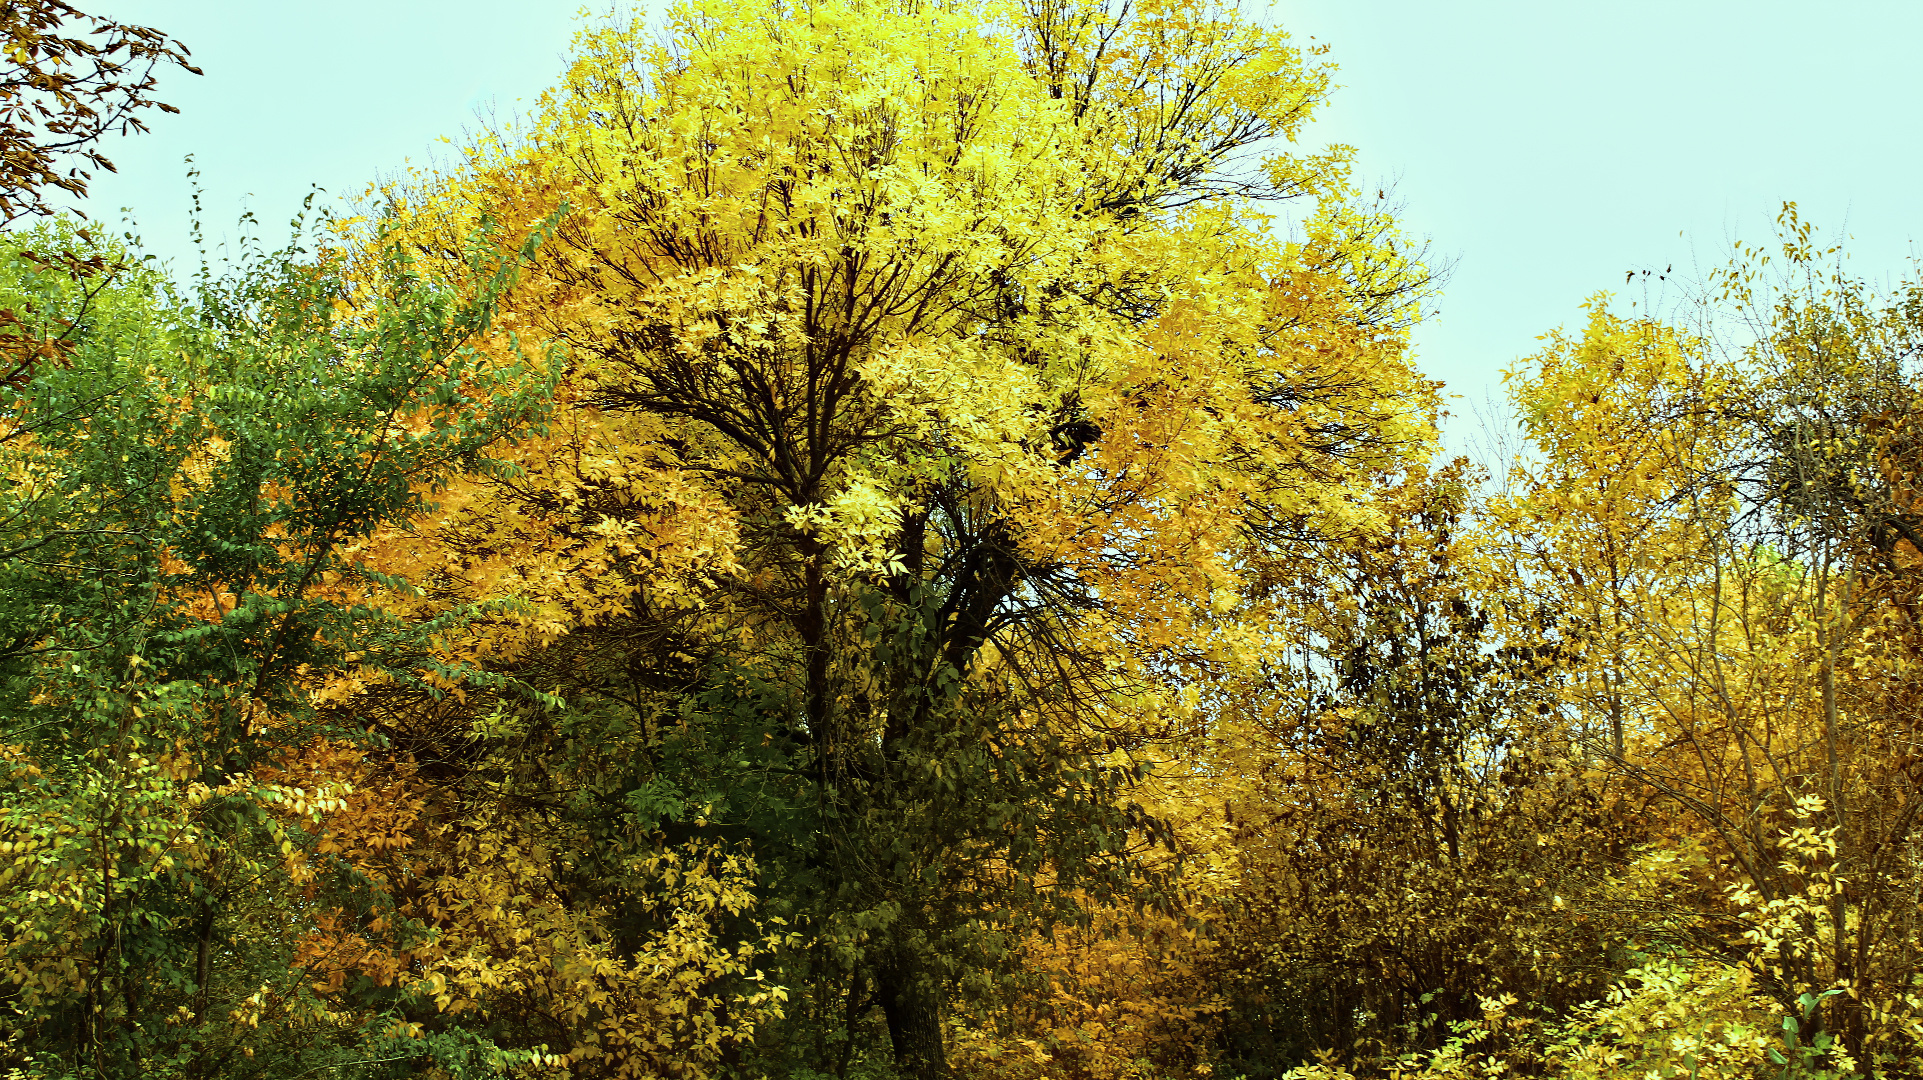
[{"x": 186, "y": 487}]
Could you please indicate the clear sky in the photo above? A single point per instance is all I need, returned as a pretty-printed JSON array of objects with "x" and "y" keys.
[{"x": 1546, "y": 146}]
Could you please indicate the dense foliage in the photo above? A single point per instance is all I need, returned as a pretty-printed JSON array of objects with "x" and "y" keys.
[{"x": 886, "y": 541}]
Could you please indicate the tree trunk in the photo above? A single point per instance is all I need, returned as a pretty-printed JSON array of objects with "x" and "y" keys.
[{"x": 911, "y": 1002}]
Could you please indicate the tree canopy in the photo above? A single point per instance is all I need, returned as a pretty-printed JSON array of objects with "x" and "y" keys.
[{"x": 893, "y": 541}]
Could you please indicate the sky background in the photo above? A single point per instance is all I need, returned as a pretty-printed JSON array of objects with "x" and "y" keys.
[{"x": 1545, "y": 148}]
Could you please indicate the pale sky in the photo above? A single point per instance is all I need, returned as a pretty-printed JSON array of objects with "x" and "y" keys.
[{"x": 1546, "y": 147}]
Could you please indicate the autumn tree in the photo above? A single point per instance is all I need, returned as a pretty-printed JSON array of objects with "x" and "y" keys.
[
  {"x": 69, "y": 79},
  {"x": 1825, "y": 458},
  {"x": 1721, "y": 513},
  {"x": 930, "y": 373},
  {"x": 1417, "y": 826},
  {"x": 61, "y": 93}
]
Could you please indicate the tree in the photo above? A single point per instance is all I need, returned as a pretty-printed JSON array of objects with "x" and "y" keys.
[
  {"x": 59, "y": 96},
  {"x": 958, "y": 360},
  {"x": 1723, "y": 513},
  {"x": 61, "y": 93},
  {"x": 1415, "y": 825},
  {"x": 186, "y": 493}
]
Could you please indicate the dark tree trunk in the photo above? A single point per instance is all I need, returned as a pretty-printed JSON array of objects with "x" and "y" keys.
[{"x": 911, "y": 1002}]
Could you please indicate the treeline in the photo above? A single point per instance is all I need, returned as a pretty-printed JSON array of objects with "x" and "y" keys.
[{"x": 872, "y": 542}]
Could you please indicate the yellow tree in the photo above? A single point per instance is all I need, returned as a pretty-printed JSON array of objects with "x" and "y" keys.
[
  {"x": 933, "y": 371},
  {"x": 1724, "y": 519},
  {"x": 1609, "y": 519}
]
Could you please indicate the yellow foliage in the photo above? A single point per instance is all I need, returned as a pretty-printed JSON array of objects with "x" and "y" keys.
[
  {"x": 1125, "y": 998},
  {"x": 983, "y": 303}
]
